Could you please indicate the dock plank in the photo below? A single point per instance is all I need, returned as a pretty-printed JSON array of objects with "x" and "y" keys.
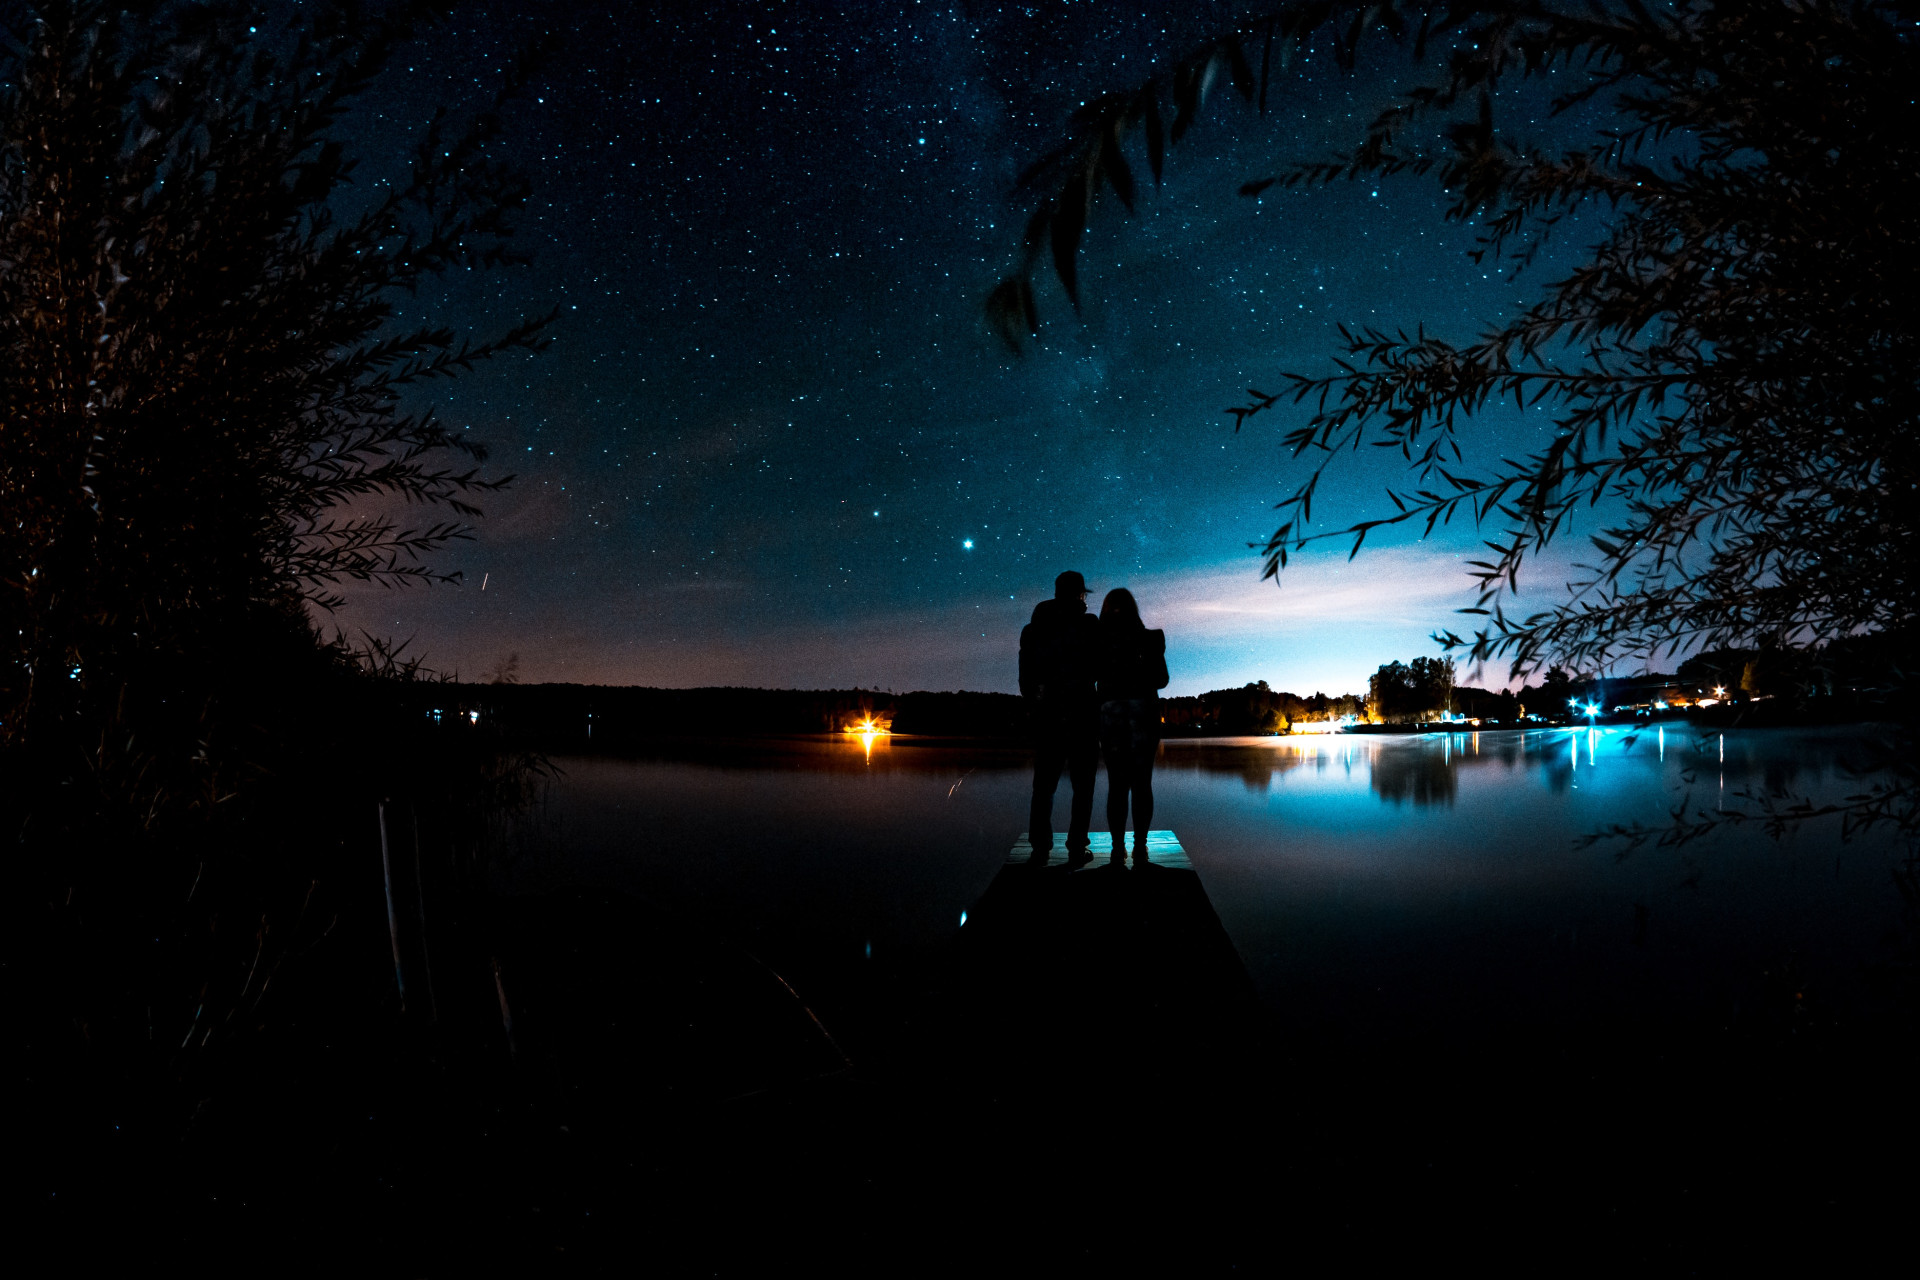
[{"x": 1163, "y": 849}]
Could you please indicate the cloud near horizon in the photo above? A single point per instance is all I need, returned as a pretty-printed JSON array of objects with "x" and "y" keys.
[{"x": 1326, "y": 628}]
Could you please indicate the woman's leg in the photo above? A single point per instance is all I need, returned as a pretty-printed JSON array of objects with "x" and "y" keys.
[
  {"x": 1117, "y": 792},
  {"x": 1143, "y": 801},
  {"x": 1140, "y": 776},
  {"x": 1117, "y": 748}
]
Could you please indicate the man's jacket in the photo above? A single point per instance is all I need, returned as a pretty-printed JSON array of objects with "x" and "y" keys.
[{"x": 1060, "y": 656}]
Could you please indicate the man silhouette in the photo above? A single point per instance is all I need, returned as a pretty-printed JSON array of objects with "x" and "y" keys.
[{"x": 1059, "y": 650}]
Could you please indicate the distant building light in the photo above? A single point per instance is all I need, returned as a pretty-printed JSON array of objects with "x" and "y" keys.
[{"x": 1321, "y": 726}]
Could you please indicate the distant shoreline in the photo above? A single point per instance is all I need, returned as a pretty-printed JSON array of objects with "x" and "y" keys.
[{"x": 572, "y": 718}]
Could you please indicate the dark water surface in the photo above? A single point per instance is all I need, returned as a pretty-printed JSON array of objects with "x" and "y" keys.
[{"x": 1374, "y": 886}]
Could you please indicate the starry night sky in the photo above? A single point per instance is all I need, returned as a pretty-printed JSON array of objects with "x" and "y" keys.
[{"x": 774, "y": 442}]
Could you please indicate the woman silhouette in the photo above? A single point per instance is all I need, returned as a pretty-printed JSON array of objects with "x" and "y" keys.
[{"x": 1132, "y": 671}]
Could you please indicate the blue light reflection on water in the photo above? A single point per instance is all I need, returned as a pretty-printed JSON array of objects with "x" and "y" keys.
[
  {"x": 1378, "y": 885},
  {"x": 1373, "y": 885}
]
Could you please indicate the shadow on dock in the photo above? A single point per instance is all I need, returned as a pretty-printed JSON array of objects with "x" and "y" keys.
[
  {"x": 1103, "y": 979},
  {"x": 1086, "y": 1035}
]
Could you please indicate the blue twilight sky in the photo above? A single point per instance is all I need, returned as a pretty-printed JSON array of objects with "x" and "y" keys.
[{"x": 774, "y": 442}]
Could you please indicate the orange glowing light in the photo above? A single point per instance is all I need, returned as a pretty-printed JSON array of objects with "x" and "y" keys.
[{"x": 867, "y": 730}]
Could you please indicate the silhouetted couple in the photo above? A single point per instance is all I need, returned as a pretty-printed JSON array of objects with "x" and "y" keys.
[{"x": 1092, "y": 688}]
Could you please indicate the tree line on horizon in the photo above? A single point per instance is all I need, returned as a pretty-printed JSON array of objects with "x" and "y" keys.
[
  {"x": 565, "y": 716},
  {"x": 1426, "y": 689}
]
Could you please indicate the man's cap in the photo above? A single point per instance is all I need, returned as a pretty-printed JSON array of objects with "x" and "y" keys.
[{"x": 1069, "y": 584}]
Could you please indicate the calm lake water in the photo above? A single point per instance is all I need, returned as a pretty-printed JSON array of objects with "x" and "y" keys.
[{"x": 1374, "y": 886}]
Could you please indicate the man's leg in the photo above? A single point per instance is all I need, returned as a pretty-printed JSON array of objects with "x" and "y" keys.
[
  {"x": 1083, "y": 767},
  {"x": 1049, "y": 756}
]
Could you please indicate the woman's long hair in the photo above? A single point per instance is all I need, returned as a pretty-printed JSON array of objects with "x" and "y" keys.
[{"x": 1119, "y": 609}]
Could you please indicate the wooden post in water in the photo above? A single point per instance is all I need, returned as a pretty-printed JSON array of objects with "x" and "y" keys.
[
  {"x": 506, "y": 1013},
  {"x": 420, "y": 915},
  {"x": 393, "y": 910}
]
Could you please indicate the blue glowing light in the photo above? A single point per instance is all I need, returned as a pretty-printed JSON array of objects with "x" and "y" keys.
[{"x": 963, "y": 917}]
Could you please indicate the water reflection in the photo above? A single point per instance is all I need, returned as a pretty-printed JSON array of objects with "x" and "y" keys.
[
  {"x": 1365, "y": 914},
  {"x": 1426, "y": 769},
  {"x": 1419, "y": 776},
  {"x": 1423, "y": 769},
  {"x": 1257, "y": 761}
]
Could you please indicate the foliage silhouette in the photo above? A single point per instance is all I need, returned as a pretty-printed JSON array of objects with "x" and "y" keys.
[
  {"x": 202, "y": 377},
  {"x": 1417, "y": 690}
]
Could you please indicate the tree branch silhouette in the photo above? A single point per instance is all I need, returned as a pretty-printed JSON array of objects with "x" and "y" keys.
[
  {"x": 203, "y": 362},
  {"x": 1726, "y": 371}
]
